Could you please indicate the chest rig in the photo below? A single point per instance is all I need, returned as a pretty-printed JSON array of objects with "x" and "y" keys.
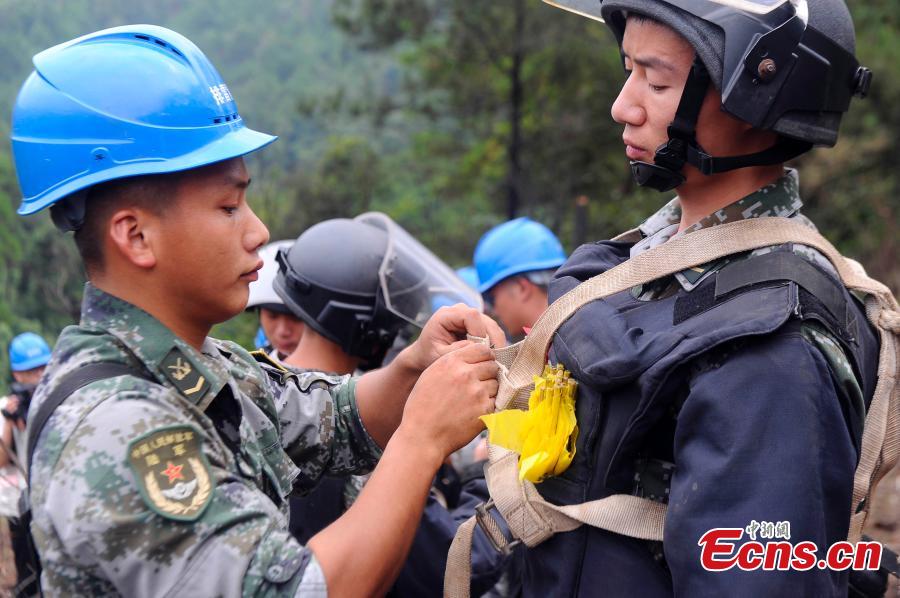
[{"x": 632, "y": 376}]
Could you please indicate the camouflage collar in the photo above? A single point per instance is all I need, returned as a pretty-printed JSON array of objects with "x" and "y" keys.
[
  {"x": 198, "y": 377},
  {"x": 781, "y": 198}
]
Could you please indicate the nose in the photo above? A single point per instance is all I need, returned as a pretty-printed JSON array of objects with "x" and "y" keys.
[
  {"x": 626, "y": 110},
  {"x": 257, "y": 234}
]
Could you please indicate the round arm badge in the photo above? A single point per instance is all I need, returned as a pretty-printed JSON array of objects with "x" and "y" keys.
[{"x": 171, "y": 472}]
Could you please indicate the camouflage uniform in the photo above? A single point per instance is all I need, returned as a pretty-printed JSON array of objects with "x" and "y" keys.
[
  {"x": 779, "y": 199},
  {"x": 179, "y": 486}
]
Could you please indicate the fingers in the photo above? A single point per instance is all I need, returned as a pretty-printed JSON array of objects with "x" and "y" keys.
[
  {"x": 473, "y": 323},
  {"x": 487, "y": 407},
  {"x": 443, "y": 350},
  {"x": 486, "y": 370},
  {"x": 494, "y": 332},
  {"x": 461, "y": 319},
  {"x": 476, "y": 353}
]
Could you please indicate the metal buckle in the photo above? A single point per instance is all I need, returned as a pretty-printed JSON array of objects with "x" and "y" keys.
[{"x": 500, "y": 543}]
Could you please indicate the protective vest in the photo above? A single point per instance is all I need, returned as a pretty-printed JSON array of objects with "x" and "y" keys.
[{"x": 633, "y": 368}]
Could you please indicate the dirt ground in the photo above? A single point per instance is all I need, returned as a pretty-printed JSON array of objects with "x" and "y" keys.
[{"x": 884, "y": 519}]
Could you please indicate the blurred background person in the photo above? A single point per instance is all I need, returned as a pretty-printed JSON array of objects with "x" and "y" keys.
[
  {"x": 514, "y": 263},
  {"x": 28, "y": 355},
  {"x": 279, "y": 329}
]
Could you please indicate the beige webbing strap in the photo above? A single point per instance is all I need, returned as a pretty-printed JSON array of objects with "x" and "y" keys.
[
  {"x": 678, "y": 254},
  {"x": 532, "y": 519},
  {"x": 458, "y": 573},
  {"x": 881, "y": 432}
]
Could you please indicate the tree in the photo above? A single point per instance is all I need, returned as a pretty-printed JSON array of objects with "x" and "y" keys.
[{"x": 513, "y": 97}]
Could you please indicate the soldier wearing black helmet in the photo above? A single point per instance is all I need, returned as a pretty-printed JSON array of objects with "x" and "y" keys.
[
  {"x": 336, "y": 298},
  {"x": 733, "y": 391},
  {"x": 375, "y": 282}
]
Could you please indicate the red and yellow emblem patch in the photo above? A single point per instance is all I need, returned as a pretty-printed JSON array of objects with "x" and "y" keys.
[{"x": 171, "y": 472}]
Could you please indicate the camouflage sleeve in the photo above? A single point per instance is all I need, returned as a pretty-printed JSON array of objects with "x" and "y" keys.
[
  {"x": 142, "y": 501},
  {"x": 321, "y": 429}
]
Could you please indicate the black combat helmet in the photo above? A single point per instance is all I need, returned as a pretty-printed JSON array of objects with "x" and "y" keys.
[
  {"x": 782, "y": 65},
  {"x": 359, "y": 282}
]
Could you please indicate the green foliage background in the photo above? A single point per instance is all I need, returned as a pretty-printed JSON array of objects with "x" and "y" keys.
[{"x": 410, "y": 107}]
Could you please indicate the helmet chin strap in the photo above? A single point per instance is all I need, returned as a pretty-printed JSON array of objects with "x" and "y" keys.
[{"x": 665, "y": 173}]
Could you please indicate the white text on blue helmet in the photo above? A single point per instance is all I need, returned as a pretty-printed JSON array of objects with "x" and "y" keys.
[{"x": 220, "y": 94}]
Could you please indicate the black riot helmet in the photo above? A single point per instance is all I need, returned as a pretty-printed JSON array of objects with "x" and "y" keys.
[
  {"x": 782, "y": 65},
  {"x": 359, "y": 282}
]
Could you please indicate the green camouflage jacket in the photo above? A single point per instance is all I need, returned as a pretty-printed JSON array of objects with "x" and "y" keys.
[{"x": 178, "y": 487}]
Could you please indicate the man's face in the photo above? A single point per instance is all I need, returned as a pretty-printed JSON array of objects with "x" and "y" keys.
[
  {"x": 208, "y": 242},
  {"x": 32, "y": 376},
  {"x": 282, "y": 330},
  {"x": 659, "y": 60},
  {"x": 506, "y": 301}
]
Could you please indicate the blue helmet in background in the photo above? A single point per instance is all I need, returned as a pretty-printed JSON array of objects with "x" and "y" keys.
[
  {"x": 122, "y": 102},
  {"x": 515, "y": 247},
  {"x": 28, "y": 351}
]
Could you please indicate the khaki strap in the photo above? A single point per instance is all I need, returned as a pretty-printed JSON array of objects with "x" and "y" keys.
[
  {"x": 457, "y": 575},
  {"x": 678, "y": 254},
  {"x": 881, "y": 432},
  {"x": 532, "y": 519}
]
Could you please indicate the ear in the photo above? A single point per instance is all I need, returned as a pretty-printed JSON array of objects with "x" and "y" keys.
[
  {"x": 524, "y": 287},
  {"x": 132, "y": 235}
]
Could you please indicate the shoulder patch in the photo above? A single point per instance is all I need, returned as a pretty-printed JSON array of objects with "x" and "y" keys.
[
  {"x": 184, "y": 374},
  {"x": 171, "y": 472}
]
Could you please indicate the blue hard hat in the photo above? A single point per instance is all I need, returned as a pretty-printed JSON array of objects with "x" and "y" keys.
[
  {"x": 121, "y": 102},
  {"x": 469, "y": 276},
  {"x": 28, "y": 351},
  {"x": 515, "y": 247}
]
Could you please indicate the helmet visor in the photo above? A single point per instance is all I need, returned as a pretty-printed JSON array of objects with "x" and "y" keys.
[
  {"x": 414, "y": 282},
  {"x": 591, "y": 8},
  {"x": 760, "y": 7}
]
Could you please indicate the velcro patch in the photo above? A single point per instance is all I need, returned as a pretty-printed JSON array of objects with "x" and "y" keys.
[
  {"x": 171, "y": 472},
  {"x": 184, "y": 375}
]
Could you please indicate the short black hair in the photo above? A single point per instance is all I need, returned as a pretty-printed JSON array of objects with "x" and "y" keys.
[{"x": 154, "y": 193}]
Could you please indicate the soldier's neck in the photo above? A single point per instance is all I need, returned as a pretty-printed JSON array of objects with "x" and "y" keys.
[
  {"x": 169, "y": 312},
  {"x": 703, "y": 195},
  {"x": 315, "y": 352}
]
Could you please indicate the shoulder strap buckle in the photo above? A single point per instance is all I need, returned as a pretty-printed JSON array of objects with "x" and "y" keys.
[{"x": 492, "y": 529}]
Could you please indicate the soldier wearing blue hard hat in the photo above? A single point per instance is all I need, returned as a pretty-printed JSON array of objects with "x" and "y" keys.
[
  {"x": 515, "y": 262},
  {"x": 134, "y": 141},
  {"x": 28, "y": 355},
  {"x": 28, "y": 351}
]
